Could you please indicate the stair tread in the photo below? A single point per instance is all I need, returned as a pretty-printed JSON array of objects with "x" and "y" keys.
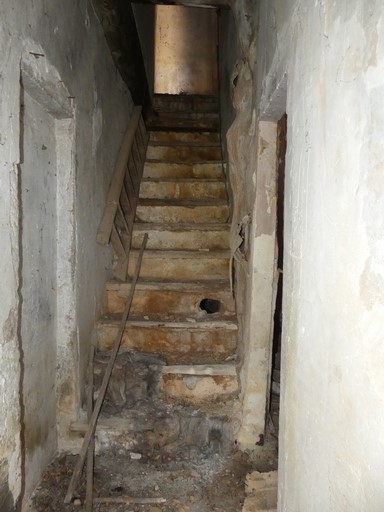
[
  {"x": 178, "y": 226},
  {"x": 178, "y": 143},
  {"x": 184, "y": 162},
  {"x": 182, "y": 202},
  {"x": 183, "y": 254},
  {"x": 182, "y": 180},
  {"x": 183, "y": 143},
  {"x": 188, "y": 286},
  {"x": 229, "y": 323},
  {"x": 203, "y": 370}
]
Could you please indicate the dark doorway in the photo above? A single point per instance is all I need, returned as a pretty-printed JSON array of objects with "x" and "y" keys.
[{"x": 278, "y": 319}]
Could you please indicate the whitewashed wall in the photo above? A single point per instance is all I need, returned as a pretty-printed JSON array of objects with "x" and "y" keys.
[
  {"x": 59, "y": 54},
  {"x": 331, "y": 455}
]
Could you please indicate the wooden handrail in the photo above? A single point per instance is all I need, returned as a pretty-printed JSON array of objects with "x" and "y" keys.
[
  {"x": 120, "y": 208},
  {"x": 113, "y": 197}
]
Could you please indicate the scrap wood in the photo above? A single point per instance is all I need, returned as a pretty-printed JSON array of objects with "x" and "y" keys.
[
  {"x": 129, "y": 499},
  {"x": 103, "y": 389}
]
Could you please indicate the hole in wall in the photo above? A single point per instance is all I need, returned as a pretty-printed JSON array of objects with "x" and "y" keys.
[{"x": 210, "y": 306}]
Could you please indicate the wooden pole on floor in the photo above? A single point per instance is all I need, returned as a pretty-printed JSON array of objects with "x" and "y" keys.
[
  {"x": 129, "y": 499},
  {"x": 103, "y": 389},
  {"x": 91, "y": 447}
]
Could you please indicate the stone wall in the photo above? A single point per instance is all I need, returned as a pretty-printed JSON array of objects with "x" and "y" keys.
[{"x": 63, "y": 112}]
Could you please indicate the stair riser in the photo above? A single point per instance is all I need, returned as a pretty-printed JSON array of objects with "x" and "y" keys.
[
  {"x": 183, "y": 114},
  {"x": 162, "y": 303},
  {"x": 181, "y": 269},
  {"x": 174, "y": 103},
  {"x": 185, "y": 123},
  {"x": 186, "y": 102},
  {"x": 186, "y": 137},
  {"x": 176, "y": 346},
  {"x": 180, "y": 190},
  {"x": 198, "y": 389},
  {"x": 184, "y": 153},
  {"x": 194, "y": 240},
  {"x": 169, "y": 170},
  {"x": 182, "y": 214}
]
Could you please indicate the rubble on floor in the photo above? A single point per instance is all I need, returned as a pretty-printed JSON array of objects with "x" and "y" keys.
[{"x": 189, "y": 482}]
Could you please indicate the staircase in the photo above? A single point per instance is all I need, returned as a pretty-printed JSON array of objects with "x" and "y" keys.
[{"x": 182, "y": 321}]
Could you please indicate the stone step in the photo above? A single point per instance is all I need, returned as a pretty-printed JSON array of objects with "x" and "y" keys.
[
  {"x": 179, "y": 103},
  {"x": 198, "y": 383},
  {"x": 184, "y": 153},
  {"x": 183, "y": 123},
  {"x": 182, "y": 211},
  {"x": 164, "y": 299},
  {"x": 191, "y": 114},
  {"x": 201, "y": 370},
  {"x": 194, "y": 188},
  {"x": 172, "y": 170},
  {"x": 181, "y": 265},
  {"x": 181, "y": 236},
  {"x": 170, "y": 137},
  {"x": 181, "y": 342}
]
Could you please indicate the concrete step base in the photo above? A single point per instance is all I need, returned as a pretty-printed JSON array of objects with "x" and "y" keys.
[
  {"x": 161, "y": 300},
  {"x": 181, "y": 265},
  {"x": 194, "y": 384},
  {"x": 182, "y": 211},
  {"x": 172, "y": 170},
  {"x": 181, "y": 236},
  {"x": 177, "y": 342},
  {"x": 192, "y": 189}
]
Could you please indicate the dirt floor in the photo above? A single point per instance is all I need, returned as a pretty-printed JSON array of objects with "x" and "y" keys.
[{"x": 190, "y": 482}]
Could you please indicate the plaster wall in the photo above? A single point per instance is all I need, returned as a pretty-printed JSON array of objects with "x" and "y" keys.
[
  {"x": 332, "y": 450},
  {"x": 38, "y": 287},
  {"x": 324, "y": 63},
  {"x": 60, "y": 55}
]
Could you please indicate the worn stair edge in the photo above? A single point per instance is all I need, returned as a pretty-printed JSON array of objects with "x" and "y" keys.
[
  {"x": 182, "y": 240},
  {"x": 185, "y": 152},
  {"x": 202, "y": 369},
  {"x": 186, "y": 203},
  {"x": 172, "y": 170},
  {"x": 215, "y": 285},
  {"x": 174, "y": 346},
  {"x": 184, "y": 142},
  {"x": 159, "y": 226},
  {"x": 185, "y": 123},
  {"x": 200, "y": 325},
  {"x": 158, "y": 303},
  {"x": 188, "y": 254},
  {"x": 174, "y": 189},
  {"x": 183, "y": 180},
  {"x": 187, "y": 162}
]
